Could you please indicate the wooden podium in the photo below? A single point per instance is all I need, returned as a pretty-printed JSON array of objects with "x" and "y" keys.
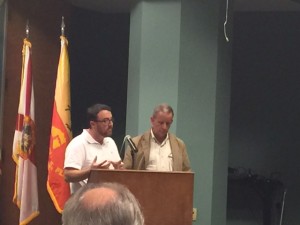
[{"x": 166, "y": 197}]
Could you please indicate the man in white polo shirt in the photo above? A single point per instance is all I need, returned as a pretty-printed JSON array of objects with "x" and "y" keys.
[{"x": 92, "y": 149}]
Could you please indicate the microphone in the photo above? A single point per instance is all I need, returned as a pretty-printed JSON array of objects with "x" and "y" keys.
[{"x": 131, "y": 144}]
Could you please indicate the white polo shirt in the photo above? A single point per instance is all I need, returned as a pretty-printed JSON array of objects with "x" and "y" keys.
[{"x": 82, "y": 150}]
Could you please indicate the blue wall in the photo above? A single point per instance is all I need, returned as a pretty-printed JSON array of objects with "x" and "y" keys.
[{"x": 178, "y": 54}]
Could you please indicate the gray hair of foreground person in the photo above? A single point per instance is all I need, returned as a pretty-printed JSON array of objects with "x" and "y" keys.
[{"x": 102, "y": 204}]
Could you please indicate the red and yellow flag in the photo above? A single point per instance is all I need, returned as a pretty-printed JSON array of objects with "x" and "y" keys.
[
  {"x": 26, "y": 188},
  {"x": 61, "y": 133}
]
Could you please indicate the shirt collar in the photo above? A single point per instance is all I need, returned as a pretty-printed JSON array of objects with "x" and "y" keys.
[
  {"x": 154, "y": 138},
  {"x": 90, "y": 139}
]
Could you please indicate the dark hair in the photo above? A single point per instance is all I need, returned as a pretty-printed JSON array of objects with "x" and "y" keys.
[
  {"x": 119, "y": 208},
  {"x": 93, "y": 111}
]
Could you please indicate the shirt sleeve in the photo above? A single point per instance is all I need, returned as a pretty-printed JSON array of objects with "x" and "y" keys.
[{"x": 74, "y": 155}]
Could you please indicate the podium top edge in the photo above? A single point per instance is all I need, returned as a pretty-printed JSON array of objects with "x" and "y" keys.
[{"x": 145, "y": 171}]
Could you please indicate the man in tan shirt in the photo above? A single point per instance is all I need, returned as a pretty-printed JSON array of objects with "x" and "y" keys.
[{"x": 157, "y": 148}]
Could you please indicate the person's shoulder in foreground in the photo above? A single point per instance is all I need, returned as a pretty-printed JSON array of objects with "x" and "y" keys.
[{"x": 102, "y": 203}]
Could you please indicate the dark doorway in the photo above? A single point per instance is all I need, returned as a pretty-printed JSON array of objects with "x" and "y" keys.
[{"x": 98, "y": 48}]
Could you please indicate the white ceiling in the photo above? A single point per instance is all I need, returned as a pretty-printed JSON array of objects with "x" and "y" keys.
[{"x": 238, "y": 5}]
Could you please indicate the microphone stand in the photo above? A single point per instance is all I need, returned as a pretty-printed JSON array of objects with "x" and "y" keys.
[
  {"x": 132, "y": 157},
  {"x": 132, "y": 149}
]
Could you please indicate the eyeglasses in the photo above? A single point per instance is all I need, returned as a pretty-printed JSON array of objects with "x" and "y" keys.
[{"x": 105, "y": 121}]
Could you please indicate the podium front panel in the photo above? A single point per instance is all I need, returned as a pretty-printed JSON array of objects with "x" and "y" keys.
[{"x": 166, "y": 198}]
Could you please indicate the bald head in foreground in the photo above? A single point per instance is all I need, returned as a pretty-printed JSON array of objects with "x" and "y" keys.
[{"x": 102, "y": 204}]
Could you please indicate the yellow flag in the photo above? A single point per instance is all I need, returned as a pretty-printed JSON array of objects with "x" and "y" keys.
[{"x": 61, "y": 133}]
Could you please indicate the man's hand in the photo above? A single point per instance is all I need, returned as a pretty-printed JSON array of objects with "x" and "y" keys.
[
  {"x": 118, "y": 165},
  {"x": 103, "y": 165}
]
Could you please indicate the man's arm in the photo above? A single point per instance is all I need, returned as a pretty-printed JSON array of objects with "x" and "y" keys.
[
  {"x": 186, "y": 165},
  {"x": 76, "y": 175},
  {"x": 127, "y": 159}
]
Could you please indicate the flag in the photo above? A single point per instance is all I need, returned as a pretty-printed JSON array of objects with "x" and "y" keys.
[
  {"x": 61, "y": 133},
  {"x": 26, "y": 188}
]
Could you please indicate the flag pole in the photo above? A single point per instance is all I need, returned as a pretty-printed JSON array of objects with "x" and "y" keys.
[
  {"x": 62, "y": 26},
  {"x": 61, "y": 133},
  {"x": 27, "y": 29},
  {"x": 23, "y": 154}
]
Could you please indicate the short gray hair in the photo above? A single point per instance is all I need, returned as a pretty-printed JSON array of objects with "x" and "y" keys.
[
  {"x": 163, "y": 107},
  {"x": 119, "y": 208}
]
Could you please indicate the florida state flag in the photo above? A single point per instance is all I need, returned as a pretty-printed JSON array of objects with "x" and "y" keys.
[
  {"x": 26, "y": 189},
  {"x": 61, "y": 133}
]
